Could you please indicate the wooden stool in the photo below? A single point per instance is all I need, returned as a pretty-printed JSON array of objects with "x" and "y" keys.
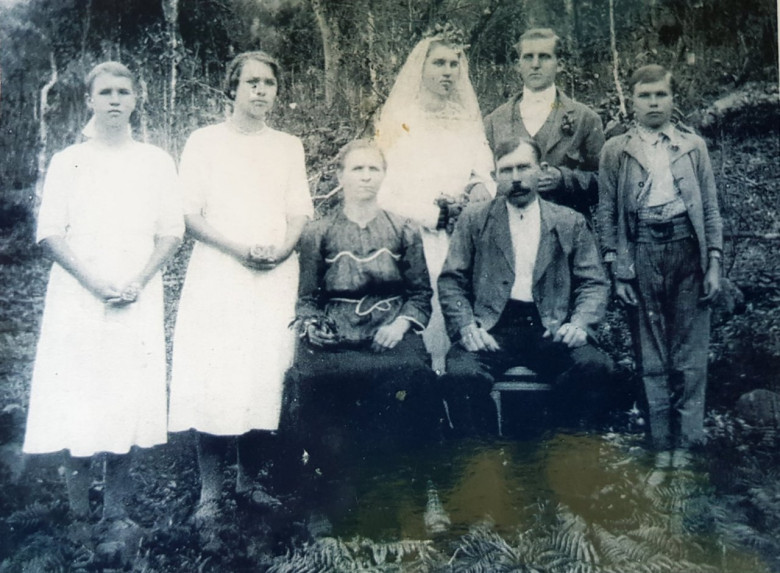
[{"x": 517, "y": 379}]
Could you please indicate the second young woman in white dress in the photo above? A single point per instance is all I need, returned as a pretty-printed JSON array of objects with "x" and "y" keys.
[{"x": 246, "y": 200}]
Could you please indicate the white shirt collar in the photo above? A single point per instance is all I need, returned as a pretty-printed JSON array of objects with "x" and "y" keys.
[
  {"x": 651, "y": 135},
  {"x": 546, "y": 96},
  {"x": 522, "y": 212}
]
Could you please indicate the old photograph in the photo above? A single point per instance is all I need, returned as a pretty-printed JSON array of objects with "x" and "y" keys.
[{"x": 432, "y": 286}]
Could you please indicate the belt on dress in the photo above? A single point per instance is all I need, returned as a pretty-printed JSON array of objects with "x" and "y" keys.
[{"x": 382, "y": 305}]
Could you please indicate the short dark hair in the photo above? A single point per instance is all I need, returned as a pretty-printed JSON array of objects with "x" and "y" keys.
[
  {"x": 511, "y": 145},
  {"x": 233, "y": 72},
  {"x": 355, "y": 145},
  {"x": 541, "y": 34},
  {"x": 111, "y": 68},
  {"x": 650, "y": 74}
]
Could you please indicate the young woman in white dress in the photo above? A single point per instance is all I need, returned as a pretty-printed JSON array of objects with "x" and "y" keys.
[
  {"x": 246, "y": 201},
  {"x": 109, "y": 219},
  {"x": 431, "y": 131}
]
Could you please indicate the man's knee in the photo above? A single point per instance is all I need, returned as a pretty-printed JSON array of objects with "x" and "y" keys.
[{"x": 589, "y": 361}]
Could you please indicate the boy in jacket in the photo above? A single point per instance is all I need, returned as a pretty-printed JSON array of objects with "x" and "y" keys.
[{"x": 661, "y": 236}]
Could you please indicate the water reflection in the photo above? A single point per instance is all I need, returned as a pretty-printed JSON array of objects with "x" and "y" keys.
[{"x": 582, "y": 498}]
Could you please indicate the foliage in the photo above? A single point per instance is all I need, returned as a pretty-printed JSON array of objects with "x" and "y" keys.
[
  {"x": 181, "y": 62},
  {"x": 359, "y": 554},
  {"x": 714, "y": 46}
]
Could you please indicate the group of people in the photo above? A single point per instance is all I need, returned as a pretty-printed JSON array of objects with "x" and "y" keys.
[{"x": 461, "y": 248}]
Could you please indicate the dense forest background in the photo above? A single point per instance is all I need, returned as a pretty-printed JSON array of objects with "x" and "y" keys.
[
  {"x": 341, "y": 57},
  {"x": 578, "y": 502}
]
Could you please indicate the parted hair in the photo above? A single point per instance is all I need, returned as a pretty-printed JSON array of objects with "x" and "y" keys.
[
  {"x": 111, "y": 68},
  {"x": 233, "y": 72},
  {"x": 650, "y": 74},
  {"x": 541, "y": 34},
  {"x": 510, "y": 145},
  {"x": 355, "y": 145}
]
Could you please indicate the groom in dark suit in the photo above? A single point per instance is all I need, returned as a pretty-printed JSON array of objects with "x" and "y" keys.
[
  {"x": 569, "y": 133},
  {"x": 523, "y": 284}
]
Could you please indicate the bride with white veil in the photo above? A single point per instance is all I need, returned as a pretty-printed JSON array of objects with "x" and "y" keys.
[{"x": 431, "y": 132}]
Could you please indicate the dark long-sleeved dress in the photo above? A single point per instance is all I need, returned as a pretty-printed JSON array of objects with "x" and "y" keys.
[{"x": 360, "y": 279}]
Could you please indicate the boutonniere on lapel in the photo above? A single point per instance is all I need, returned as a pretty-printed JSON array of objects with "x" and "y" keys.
[{"x": 567, "y": 125}]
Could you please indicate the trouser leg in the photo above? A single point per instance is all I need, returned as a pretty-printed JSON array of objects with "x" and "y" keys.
[
  {"x": 466, "y": 389},
  {"x": 584, "y": 387},
  {"x": 212, "y": 453},
  {"x": 689, "y": 340},
  {"x": 659, "y": 408},
  {"x": 254, "y": 450},
  {"x": 651, "y": 338},
  {"x": 77, "y": 482},
  {"x": 119, "y": 486},
  {"x": 672, "y": 330}
]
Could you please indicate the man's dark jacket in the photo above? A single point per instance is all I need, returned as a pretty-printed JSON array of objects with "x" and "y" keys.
[
  {"x": 570, "y": 139},
  {"x": 569, "y": 282}
]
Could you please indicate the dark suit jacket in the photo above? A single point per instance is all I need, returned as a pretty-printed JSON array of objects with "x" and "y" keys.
[
  {"x": 569, "y": 282},
  {"x": 571, "y": 140}
]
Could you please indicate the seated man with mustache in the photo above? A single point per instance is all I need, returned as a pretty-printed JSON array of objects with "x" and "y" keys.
[{"x": 523, "y": 284}]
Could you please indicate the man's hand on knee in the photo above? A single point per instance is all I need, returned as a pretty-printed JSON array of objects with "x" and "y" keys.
[
  {"x": 475, "y": 339},
  {"x": 569, "y": 334}
]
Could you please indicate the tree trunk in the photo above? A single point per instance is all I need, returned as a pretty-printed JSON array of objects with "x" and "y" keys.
[
  {"x": 171, "y": 13},
  {"x": 570, "y": 7},
  {"x": 536, "y": 14},
  {"x": 616, "y": 60},
  {"x": 331, "y": 47},
  {"x": 43, "y": 128}
]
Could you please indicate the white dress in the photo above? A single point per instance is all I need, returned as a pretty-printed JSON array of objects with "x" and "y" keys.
[
  {"x": 99, "y": 378},
  {"x": 431, "y": 159},
  {"x": 232, "y": 343}
]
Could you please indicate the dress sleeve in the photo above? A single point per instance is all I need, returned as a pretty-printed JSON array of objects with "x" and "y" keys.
[
  {"x": 193, "y": 177},
  {"x": 170, "y": 222},
  {"x": 482, "y": 169},
  {"x": 417, "y": 306},
  {"x": 53, "y": 216},
  {"x": 312, "y": 270},
  {"x": 298, "y": 197}
]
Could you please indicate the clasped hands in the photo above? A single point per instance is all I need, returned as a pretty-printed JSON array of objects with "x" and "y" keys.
[
  {"x": 116, "y": 296},
  {"x": 476, "y": 339},
  {"x": 322, "y": 334},
  {"x": 262, "y": 257}
]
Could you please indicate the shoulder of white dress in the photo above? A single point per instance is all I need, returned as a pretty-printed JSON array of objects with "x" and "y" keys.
[
  {"x": 288, "y": 138},
  {"x": 209, "y": 130},
  {"x": 154, "y": 152},
  {"x": 71, "y": 150}
]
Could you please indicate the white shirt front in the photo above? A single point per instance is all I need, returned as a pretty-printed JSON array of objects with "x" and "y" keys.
[
  {"x": 525, "y": 230},
  {"x": 660, "y": 193},
  {"x": 535, "y": 107}
]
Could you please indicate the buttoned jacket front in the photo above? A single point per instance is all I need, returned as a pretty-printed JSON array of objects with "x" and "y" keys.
[
  {"x": 569, "y": 282},
  {"x": 570, "y": 139},
  {"x": 623, "y": 173}
]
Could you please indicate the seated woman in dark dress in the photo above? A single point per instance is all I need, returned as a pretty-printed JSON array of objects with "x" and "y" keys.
[{"x": 364, "y": 298}]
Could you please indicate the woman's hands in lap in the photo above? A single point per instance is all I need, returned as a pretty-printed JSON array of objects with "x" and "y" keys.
[{"x": 389, "y": 335}]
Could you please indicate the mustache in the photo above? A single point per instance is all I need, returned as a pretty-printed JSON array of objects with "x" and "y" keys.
[{"x": 518, "y": 188}]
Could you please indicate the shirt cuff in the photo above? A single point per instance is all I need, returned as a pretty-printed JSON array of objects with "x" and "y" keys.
[{"x": 416, "y": 324}]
